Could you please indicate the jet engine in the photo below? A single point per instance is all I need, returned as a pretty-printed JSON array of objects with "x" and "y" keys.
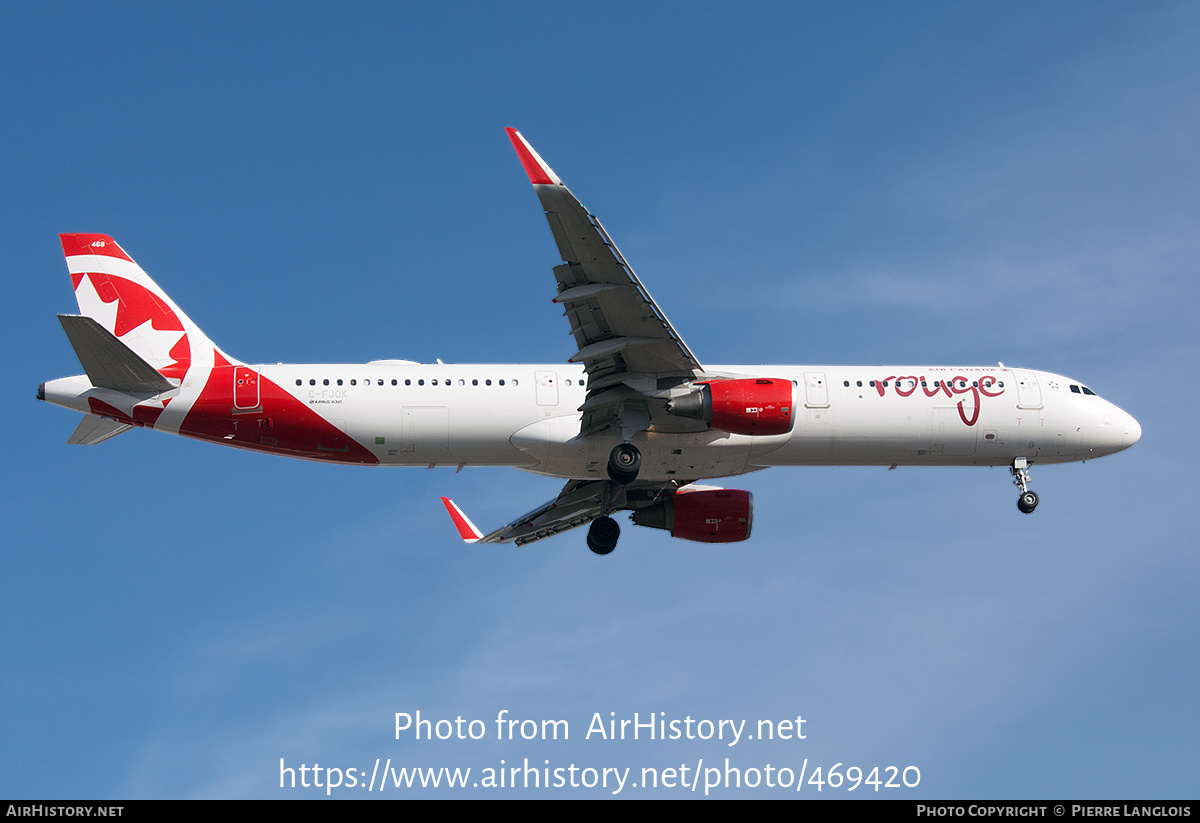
[
  {"x": 703, "y": 515},
  {"x": 746, "y": 406}
]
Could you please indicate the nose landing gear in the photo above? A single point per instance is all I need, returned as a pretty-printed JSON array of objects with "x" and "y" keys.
[{"x": 1028, "y": 500}]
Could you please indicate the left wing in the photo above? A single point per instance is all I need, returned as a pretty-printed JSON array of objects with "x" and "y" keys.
[
  {"x": 630, "y": 351},
  {"x": 580, "y": 502}
]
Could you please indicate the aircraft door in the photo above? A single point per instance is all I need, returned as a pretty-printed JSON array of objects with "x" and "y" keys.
[
  {"x": 547, "y": 388},
  {"x": 1029, "y": 393},
  {"x": 816, "y": 392},
  {"x": 245, "y": 388}
]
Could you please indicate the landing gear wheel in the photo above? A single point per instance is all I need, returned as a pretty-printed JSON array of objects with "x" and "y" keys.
[
  {"x": 1027, "y": 502},
  {"x": 624, "y": 461},
  {"x": 603, "y": 534}
]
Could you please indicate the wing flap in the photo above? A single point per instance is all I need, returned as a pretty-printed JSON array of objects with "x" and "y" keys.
[{"x": 579, "y": 503}]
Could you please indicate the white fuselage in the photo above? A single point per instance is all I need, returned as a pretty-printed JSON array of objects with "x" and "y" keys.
[{"x": 526, "y": 416}]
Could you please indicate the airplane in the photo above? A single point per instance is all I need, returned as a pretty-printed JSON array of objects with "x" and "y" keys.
[{"x": 633, "y": 421}]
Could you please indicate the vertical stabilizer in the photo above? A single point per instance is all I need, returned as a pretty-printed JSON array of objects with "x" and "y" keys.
[{"x": 115, "y": 292}]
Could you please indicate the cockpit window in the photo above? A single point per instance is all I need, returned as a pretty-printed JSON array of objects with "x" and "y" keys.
[
  {"x": 1074, "y": 388},
  {"x": 1086, "y": 390}
]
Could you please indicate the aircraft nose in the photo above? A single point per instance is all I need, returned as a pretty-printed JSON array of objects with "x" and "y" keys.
[{"x": 1133, "y": 431}]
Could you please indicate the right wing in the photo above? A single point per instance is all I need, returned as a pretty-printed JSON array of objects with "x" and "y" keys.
[
  {"x": 632, "y": 355},
  {"x": 626, "y": 343}
]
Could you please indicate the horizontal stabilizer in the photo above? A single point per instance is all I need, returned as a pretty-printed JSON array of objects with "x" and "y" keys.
[
  {"x": 92, "y": 430},
  {"x": 109, "y": 363}
]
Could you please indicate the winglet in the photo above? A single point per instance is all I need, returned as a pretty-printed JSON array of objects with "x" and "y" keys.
[
  {"x": 539, "y": 173},
  {"x": 466, "y": 529}
]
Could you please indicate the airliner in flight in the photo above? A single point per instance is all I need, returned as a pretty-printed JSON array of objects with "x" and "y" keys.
[{"x": 632, "y": 421}]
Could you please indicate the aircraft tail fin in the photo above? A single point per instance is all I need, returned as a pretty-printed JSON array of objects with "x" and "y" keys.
[{"x": 120, "y": 297}]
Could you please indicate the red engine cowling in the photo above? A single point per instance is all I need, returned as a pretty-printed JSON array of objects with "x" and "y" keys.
[
  {"x": 751, "y": 405},
  {"x": 704, "y": 515}
]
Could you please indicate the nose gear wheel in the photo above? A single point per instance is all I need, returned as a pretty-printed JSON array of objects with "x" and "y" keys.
[{"x": 1028, "y": 500}]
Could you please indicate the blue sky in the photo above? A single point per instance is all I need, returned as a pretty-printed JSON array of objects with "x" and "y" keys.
[{"x": 892, "y": 183}]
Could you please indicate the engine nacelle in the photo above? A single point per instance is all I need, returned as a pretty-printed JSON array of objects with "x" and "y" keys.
[
  {"x": 754, "y": 405},
  {"x": 704, "y": 515}
]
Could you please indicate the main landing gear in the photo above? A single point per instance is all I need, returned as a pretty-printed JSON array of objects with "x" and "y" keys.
[
  {"x": 603, "y": 534},
  {"x": 624, "y": 461},
  {"x": 1028, "y": 500}
]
